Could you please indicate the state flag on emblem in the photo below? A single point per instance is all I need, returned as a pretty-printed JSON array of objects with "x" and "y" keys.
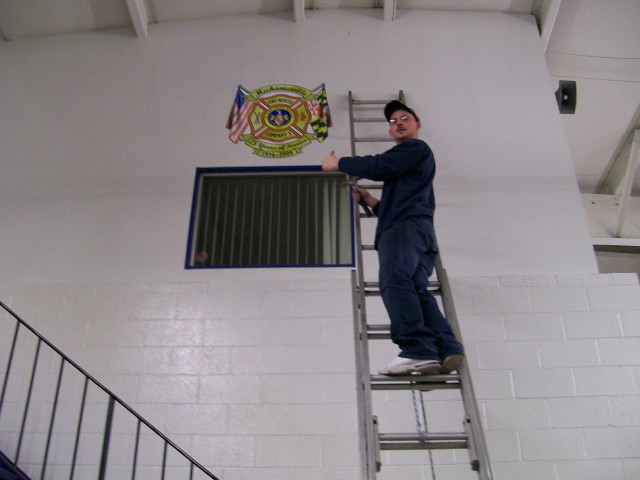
[
  {"x": 239, "y": 115},
  {"x": 322, "y": 116}
]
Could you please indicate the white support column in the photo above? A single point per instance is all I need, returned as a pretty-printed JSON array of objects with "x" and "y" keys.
[
  {"x": 389, "y": 10},
  {"x": 139, "y": 17},
  {"x": 632, "y": 167},
  {"x": 298, "y": 11}
]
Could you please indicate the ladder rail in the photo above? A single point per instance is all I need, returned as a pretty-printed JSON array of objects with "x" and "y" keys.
[
  {"x": 368, "y": 455},
  {"x": 477, "y": 445},
  {"x": 352, "y": 125},
  {"x": 368, "y": 441},
  {"x": 369, "y": 445}
]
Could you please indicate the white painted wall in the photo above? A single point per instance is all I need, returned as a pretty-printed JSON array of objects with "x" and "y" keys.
[
  {"x": 102, "y": 133},
  {"x": 252, "y": 371}
]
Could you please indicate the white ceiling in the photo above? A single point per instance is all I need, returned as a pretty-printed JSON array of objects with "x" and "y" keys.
[{"x": 593, "y": 42}]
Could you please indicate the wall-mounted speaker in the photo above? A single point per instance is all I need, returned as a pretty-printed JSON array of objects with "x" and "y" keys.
[{"x": 567, "y": 96}]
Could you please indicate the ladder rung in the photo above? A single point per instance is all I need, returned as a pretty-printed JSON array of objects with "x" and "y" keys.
[
  {"x": 431, "y": 441},
  {"x": 378, "y": 332},
  {"x": 371, "y": 139},
  {"x": 433, "y": 285},
  {"x": 378, "y": 327},
  {"x": 379, "y": 336},
  {"x": 373, "y": 288},
  {"x": 370, "y": 119},
  {"x": 369, "y": 102},
  {"x": 445, "y": 381}
]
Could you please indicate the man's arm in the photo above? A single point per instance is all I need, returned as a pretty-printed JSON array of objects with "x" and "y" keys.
[
  {"x": 381, "y": 167},
  {"x": 363, "y": 194},
  {"x": 330, "y": 163}
]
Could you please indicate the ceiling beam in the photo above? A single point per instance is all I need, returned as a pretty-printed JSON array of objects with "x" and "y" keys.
[
  {"x": 546, "y": 12},
  {"x": 389, "y": 10},
  {"x": 618, "y": 245},
  {"x": 627, "y": 182},
  {"x": 139, "y": 17},
  {"x": 613, "y": 181},
  {"x": 298, "y": 11}
]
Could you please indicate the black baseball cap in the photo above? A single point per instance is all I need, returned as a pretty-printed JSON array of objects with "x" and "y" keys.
[{"x": 394, "y": 106}]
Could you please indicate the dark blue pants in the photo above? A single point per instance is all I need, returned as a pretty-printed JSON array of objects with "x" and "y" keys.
[{"x": 407, "y": 253}]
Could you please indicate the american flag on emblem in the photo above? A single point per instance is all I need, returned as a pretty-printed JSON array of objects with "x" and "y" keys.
[{"x": 237, "y": 121}]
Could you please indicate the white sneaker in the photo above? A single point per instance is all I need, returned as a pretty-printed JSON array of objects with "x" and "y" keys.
[{"x": 407, "y": 366}]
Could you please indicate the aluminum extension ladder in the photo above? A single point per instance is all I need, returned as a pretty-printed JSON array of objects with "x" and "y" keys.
[{"x": 372, "y": 441}]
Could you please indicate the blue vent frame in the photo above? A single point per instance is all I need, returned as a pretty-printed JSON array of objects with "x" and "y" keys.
[{"x": 201, "y": 171}]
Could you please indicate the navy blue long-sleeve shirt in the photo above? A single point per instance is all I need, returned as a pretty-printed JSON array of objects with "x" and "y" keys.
[{"x": 407, "y": 170}]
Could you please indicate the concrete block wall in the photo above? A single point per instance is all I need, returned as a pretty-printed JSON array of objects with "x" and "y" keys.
[
  {"x": 252, "y": 380},
  {"x": 256, "y": 391},
  {"x": 555, "y": 364}
]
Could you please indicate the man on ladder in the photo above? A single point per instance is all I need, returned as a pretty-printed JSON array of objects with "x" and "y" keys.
[{"x": 406, "y": 244}]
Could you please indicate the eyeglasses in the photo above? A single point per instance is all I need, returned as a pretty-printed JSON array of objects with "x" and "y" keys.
[{"x": 403, "y": 118}]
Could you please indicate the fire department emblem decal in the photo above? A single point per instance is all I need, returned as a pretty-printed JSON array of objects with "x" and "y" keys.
[{"x": 279, "y": 120}]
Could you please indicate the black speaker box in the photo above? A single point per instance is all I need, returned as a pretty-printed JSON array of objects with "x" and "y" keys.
[{"x": 566, "y": 96}]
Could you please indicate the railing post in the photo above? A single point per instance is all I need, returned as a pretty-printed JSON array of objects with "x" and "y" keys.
[
  {"x": 106, "y": 439},
  {"x": 28, "y": 401},
  {"x": 9, "y": 363},
  {"x": 135, "y": 452},
  {"x": 164, "y": 461},
  {"x": 79, "y": 429},
  {"x": 53, "y": 417}
]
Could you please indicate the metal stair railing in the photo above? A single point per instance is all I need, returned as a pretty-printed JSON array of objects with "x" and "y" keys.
[{"x": 35, "y": 418}]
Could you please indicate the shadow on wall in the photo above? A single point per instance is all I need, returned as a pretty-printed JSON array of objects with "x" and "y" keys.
[{"x": 618, "y": 262}]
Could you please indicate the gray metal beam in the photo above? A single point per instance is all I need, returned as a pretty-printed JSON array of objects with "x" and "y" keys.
[
  {"x": 298, "y": 11},
  {"x": 139, "y": 17},
  {"x": 389, "y": 10},
  {"x": 627, "y": 181},
  {"x": 546, "y": 12}
]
